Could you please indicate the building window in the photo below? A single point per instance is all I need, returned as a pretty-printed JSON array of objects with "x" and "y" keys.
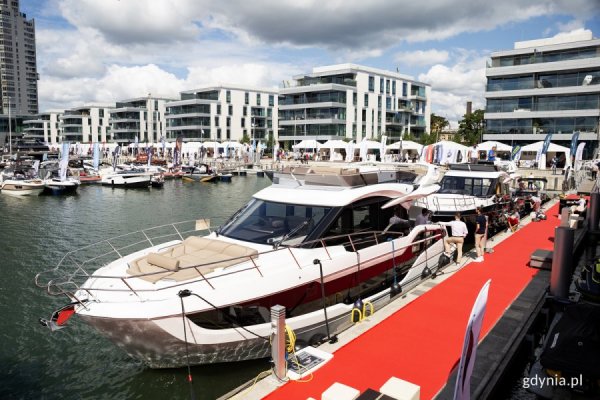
[
  {"x": 246, "y": 98},
  {"x": 404, "y": 89},
  {"x": 387, "y": 86},
  {"x": 243, "y": 122},
  {"x": 219, "y": 133},
  {"x": 258, "y": 99},
  {"x": 218, "y": 109},
  {"x": 244, "y": 111},
  {"x": 393, "y": 88},
  {"x": 269, "y": 112},
  {"x": 366, "y": 99},
  {"x": 380, "y": 85},
  {"x": 379, "y": 102},
  {"x": 388, "y": 103},
  {"x": 371, "y": 83},
  {"x": 228, "y": 96},
  {"x": 216, "y": 121},
  {"x": 354, "y": 97},
  {"x": 271, "y": 100},
  {"x": 230, "y": 110},
  {"x": 228, "y": 134},
  {"x": 228, "y": 122}
]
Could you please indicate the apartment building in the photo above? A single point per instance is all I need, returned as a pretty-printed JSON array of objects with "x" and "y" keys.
[
  {"x": 223, "y": 113},
  {"x": 142, "y": 117},
  {"x": 18, "y": 65},
  {"x": 354, "y": 102},
  {"x": 544, "y": 86},
  {"x": 86, "y": 124},
  {"x": 44, "y": 127}
]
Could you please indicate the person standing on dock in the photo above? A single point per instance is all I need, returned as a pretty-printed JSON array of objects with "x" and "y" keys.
[
  {"x": 480, "y": 234},
  {"x": 459, "y": 232}
]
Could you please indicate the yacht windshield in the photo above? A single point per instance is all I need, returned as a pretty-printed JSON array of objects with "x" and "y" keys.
[
  {"x": 266, "y": 222},
  {"x": 470, "y": 186}
]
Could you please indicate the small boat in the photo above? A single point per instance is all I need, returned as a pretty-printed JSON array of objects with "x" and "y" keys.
[
  {"x": 127, "y": 179},
  {"x": 57, "y": 186},
  {"x": 225, "y": 177},
  {"x": 22, "y": 186},
  {"x": 303, "y": 243},
  {"x": 200, "y": 173}
]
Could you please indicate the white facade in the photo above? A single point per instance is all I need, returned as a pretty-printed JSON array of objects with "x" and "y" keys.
[
  {"x": 544, "y": 86},
  {"x": 142, "y": 117},
  {"x": 87, "y": 124},
  {"x": 223, "y": 113},
  {"x": 355, "y": 102},
  {"x": 44, "y": 127}
]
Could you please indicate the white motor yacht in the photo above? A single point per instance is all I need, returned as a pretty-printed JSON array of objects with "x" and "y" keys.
[
  {"x": 22, "y": 187},
  {"x": 463, "y": 188},
  {"x": 315, "y": 237}
]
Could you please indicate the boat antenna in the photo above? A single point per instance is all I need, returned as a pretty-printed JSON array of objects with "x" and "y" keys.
[
  {"x": 182, "y": 294},
  {"x": 334, "y": 338}
]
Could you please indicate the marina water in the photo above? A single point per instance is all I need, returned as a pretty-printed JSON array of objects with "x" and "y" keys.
[{"x": 76, "y": 362}]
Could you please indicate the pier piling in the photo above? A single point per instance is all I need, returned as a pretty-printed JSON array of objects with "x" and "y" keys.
[
  {"x": 594, "y": 212},
  {"x": 562, "y": 262}
]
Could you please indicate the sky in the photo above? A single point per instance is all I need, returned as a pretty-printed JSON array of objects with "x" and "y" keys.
[{"x": 102, "y": 51}]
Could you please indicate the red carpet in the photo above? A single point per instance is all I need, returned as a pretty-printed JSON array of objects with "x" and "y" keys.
[{"x": 421, "y": 343}]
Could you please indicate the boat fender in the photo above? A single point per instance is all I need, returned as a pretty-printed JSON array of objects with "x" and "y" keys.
[
  {"x": 357, "y": 311},
  {"x": 426, "y": 272}
]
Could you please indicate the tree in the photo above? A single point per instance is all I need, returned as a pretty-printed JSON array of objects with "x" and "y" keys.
[
  {"x": 471, "y": 127},
  {"x": 245, "y": 138},
  {"x": 438, "y": 124}
]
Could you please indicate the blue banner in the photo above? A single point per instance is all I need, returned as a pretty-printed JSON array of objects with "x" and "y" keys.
[
  {"x": 574, "y": 140},
  {"x": 96, "y": 159},
  {"x": 546, "y": 143},
  {"x": 515, "y": 151}
]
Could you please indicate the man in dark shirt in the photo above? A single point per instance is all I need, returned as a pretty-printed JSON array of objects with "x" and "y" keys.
[{"x": 480, "y": 234}]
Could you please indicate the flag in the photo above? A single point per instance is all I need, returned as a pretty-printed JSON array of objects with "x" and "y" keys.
[
  {"x": 149, "y": 154},
  {"x": 574, "y": 140},
  {"x": 462, "y": 390},
  {"x": 579, "y": 156},
  {"x": 545, "y": 146},
  {"x": 116, "y": 153},
  {"x": 96, "y": 159},
  {"x": 515, "y": 153},
  {"x": 177, "y": 151}
]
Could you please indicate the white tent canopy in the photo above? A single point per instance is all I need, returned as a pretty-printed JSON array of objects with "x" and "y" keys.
[
  {"x": 489, "y": 145},
  {"x": 406, "y": 145},
  {"x": 445, "y": 152},
  {"x": 306, "y": 144},
  {"x": 331, "y": 148},
  {"x": 529, "y": 154}
]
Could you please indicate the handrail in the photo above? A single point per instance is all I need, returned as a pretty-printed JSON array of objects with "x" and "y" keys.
[{"x": 69, "y": 277}]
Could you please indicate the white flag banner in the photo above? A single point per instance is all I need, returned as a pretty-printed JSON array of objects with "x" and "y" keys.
[
  {"x": 579, "y": 156},
  {"x": 462, "y": 390}
]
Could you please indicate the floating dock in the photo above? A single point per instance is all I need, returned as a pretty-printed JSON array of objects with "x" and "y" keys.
[{"x": 419, "y": 337}]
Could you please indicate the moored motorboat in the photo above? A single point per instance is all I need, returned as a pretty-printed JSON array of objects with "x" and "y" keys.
[
  {"x": 22, "y": 187},
  {"x": 466, "y": 187},
  {"x": 61, "y": 186},
  {"x": 324, "y": 239}
]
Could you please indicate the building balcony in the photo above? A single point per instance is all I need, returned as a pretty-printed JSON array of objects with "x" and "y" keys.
[
  {"x": 525, "y": 113},
  {"x": 300, "y": 106},
  {"x": 495, "y": 71}
]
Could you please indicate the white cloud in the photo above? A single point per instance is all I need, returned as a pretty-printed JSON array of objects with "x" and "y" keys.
[
  {"x": 421, "y": 57},
  {"x": 452, "y": 86}
]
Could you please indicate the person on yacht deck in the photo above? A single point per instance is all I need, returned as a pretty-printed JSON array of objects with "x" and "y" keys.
[{"x": 423, "y": 218}]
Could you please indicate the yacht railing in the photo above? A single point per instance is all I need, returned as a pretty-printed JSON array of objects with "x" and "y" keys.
[{"x": 76, "y": 267}]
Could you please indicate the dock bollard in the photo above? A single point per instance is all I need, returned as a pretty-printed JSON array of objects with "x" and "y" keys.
[
  {"x": 562, "y": 262},
  {"x": 278, "y": 342},
  {"x": 594, "y": 212}
]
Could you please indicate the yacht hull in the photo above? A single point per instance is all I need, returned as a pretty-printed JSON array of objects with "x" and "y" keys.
[
  {"x": 160, "y": 343},
  {"x": 21, "y": 188}
]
